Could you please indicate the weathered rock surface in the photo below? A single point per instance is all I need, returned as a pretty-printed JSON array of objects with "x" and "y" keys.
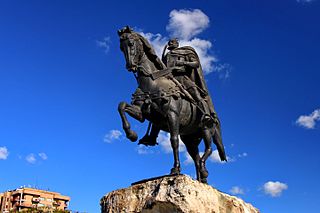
[{"x": 171, "y": 194}]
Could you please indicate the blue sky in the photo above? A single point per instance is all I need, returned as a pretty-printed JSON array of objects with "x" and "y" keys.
[{"x": 62, "y": 76}]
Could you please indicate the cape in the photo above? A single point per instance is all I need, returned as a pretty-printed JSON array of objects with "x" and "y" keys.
[
  {"x": 197, "y": 74},
  {"x": 198, "y": 78}
]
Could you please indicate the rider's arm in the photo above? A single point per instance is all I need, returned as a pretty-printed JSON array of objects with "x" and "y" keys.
[{"x": 193, "y": 63}]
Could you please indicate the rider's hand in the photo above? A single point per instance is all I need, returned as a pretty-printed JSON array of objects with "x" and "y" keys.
[
  {"x": 180, "y": 63},
  {"x": 178, "y": 69}
]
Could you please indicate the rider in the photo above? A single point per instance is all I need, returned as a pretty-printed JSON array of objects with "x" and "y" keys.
[{"x": 186, "y": 69}]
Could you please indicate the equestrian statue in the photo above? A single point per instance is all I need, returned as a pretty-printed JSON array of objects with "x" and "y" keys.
[{"x": 172, "y": 95}]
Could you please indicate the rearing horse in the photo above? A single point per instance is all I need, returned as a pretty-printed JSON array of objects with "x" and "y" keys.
[{"x": 161, "y": 101}]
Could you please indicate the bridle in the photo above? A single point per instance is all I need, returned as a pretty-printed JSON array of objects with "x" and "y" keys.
[
  {"x": 134, "y": 52},
  {"x": 131, "y": 50}
]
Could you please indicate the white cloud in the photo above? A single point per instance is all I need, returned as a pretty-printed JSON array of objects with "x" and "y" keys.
[
  {"x": 164, "y": 142},
  {"x": 112, "y": 135},
  {"x": 242, "y": 155},
  {"x": 309, "y": 121},
  {"x": 143, "y": 150},
  {"x": 188, "y": 159},
  {"x": 185, "y": 24},
  {"x": 157, "y": 40},
  {"x": 274, "y": 189},
  {"x": 104, "y": 44},
  {"x": 236, "y": 190},
  {"x": 215, "y": 158},
  {"x": 43, "y": 156},
  {"x": 31, "y": 158},
  {"x": 223, "y": 70},
  {"x": 202, "y": 47},
  {"x": 4, "y": 153}
]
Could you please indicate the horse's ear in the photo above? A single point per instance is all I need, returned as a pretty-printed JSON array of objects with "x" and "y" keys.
[{"x": 128, "y": 29}]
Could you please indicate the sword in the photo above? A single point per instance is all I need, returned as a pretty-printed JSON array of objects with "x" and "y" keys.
[{"x": 188, "y": 96}]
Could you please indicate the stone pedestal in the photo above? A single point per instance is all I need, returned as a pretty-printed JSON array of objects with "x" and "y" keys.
[{"x": 170, "y": 194}]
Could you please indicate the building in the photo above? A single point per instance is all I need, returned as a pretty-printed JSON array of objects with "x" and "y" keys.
[{"x": 29, "y": 198}]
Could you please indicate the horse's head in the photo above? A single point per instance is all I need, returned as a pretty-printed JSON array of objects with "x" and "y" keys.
[{"x": 132, "y": 48}]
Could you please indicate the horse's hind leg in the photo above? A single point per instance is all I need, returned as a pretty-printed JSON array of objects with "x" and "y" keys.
[
  {"x": 135, "y": 112},
  {"x": 173, "y": 122},
  {"x": 206, "y": 134},
  {"x": 193, "y": 150}
]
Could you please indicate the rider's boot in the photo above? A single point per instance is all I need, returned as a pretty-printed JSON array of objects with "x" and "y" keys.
[
  {"x": 207, "y": 119},
  {"x": 150, "y": 140}
]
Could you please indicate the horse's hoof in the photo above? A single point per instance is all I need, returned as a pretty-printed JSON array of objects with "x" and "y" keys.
[
  {"x": 204, "y": 173},
  {"x": 204, "y": 180},
  {"x": 132, "y": 136},
  {"x": 175, "y": 171}
]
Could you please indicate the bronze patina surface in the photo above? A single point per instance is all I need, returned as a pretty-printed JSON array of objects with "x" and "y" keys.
[{"x": 171, "y": 94}]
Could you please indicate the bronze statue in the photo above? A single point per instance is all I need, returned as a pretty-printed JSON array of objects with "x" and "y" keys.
[
  {"x": 173, "y": 96},
  {"x": 186, "y": 69}
]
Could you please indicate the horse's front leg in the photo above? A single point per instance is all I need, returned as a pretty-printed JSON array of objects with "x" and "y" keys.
[
  {"x": 135, "y": 112},
  {"x": 173, "y": 121}
]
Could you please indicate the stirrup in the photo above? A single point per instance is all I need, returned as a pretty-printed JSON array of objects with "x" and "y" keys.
[{"x": 147, "y": 140}]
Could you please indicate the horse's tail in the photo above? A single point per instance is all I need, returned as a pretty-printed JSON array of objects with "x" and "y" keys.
[{"x": 217, "y": 140}]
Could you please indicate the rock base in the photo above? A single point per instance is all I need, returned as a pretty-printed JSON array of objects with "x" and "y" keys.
[{"x": 172, "y": 194}]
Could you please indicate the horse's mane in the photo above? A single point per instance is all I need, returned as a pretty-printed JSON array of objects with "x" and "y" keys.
[{"x": 147, "y": 47}]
